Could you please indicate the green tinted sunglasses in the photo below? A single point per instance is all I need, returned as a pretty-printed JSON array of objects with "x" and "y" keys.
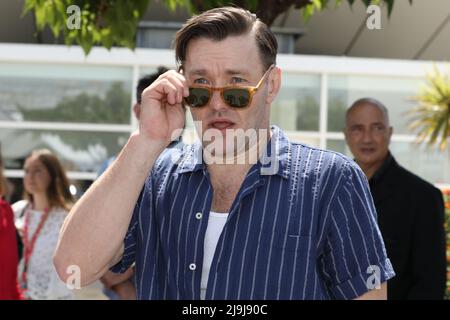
[{"x": 234, "y": 96}]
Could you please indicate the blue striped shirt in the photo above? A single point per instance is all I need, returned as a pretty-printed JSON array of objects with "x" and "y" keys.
[{"x": 306, "y": 231}]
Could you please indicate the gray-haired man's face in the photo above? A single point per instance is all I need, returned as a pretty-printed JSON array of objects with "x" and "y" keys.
[{"x": 368, "y": 134}]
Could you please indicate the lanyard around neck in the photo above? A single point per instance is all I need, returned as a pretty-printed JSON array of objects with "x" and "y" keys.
[{"x": 28, "y": 244}]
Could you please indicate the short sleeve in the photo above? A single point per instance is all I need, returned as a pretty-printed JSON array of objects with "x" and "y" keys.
[
  {"x": 130, "y": 241},
  {"x": 354, "y": 258}
]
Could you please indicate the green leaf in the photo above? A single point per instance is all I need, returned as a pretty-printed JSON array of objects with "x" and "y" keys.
[
  {"x": 436, "y": 129},
  {"x": 171, "y": 4},
  {"x": 308, "y": 12},
  {"x": 445, "y": 131},
  {"x": 60, "y": 7},
  {"x": 121, "y": 17},
  {"x": 431, "y": 118},
  {"x": 317, "y": 4},
  {"x": 141, "y": 6},
  {"x": 40, "y": 18},
  {"x": 29, "y": 5},
  {"x": 390, "y": 6}
]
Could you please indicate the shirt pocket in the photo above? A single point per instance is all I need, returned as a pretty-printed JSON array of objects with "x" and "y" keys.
[
  {"x": 286, "y": 241},
  {"x": 289, "y": 265}
]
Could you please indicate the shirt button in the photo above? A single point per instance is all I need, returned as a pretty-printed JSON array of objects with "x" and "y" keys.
[
  {"x": 198, "y": 215},
  {"x": 192, "y": 266}
]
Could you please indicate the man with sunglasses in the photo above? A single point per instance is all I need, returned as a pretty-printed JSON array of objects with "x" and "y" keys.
[{"x": 200, "y": 223}]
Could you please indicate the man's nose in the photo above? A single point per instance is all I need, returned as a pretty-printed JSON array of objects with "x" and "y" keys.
[
  {"x": 216, "y": 103},
  {"x": 367, "y": 136}
]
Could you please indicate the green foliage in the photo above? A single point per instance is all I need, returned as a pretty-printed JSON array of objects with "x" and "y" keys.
[
  {"x": 308, "y": 10},
  {"x": 106, "y": 22},
  {"x": 432, "y": 115},
  {"x": 115, "y": 22}
]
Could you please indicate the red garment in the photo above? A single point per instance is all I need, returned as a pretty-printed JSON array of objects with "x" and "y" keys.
[{"x": 9, "y": 288}]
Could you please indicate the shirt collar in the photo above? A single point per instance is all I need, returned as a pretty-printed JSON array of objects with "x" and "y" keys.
[
  {"x": 278, "y": 163},
  {"x": 382, "y": 169}
]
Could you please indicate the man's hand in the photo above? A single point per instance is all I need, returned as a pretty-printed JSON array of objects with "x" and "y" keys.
[
  {"x": 162, "y": 113},
  {"x": 375, "y": 294},
  {"x": 125, "y": 290},
  {"x": 111, "y": 279}
]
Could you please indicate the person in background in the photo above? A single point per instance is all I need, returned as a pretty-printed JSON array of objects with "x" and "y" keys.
[
  {"x": 410, "y": 210},
  {"x": 9, "y": 288},
  {"x": 39, "y": 219},
  {"x": 121, "y": 286}
]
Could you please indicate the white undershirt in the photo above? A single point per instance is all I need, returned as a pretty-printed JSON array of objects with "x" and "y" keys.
[{"x": 216, "y": 222}]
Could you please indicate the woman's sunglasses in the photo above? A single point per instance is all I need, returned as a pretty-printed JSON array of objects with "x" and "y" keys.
[{"x": 234, "y": 96}]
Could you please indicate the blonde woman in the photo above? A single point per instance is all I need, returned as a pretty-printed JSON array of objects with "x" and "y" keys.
[{"x": 39, "y": 218}]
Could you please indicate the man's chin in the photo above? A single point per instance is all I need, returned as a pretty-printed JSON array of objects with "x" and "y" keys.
[
  {"x": 230, "y": 156},
  {"x": 367, "y": 161}
]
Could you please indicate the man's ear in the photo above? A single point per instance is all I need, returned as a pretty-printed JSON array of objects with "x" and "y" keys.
[
  {"x": 347, "y": 138},
  {"x": 391, "y": 131},
  {"x": 274, "y": 84},
  {"x": 137, "y": 110}
]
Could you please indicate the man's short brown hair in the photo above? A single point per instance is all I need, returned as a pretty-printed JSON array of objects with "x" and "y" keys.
[{"x": 220, "y": 23}]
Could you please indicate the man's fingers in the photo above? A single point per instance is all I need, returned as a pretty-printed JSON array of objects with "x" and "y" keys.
[
  {"x": 181, "y": 78},
  {"x": 171, "y": 91},
  {"x": 180, "y": 82},
  {"x": 169, "y": 88}
]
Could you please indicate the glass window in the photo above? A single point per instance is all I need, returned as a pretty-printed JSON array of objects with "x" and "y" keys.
[
  {"x": 145, "y": 71},
  {"x": 394, "y": 93},
  {"x": 428, "y": 163},
  {"x": 304, "y": 139},
  {"x": 298, "y": 103},
  {"x": 77, "y": 150},
  {"x": 65, "y": 93},
  {"x": 338, "y": 146}
]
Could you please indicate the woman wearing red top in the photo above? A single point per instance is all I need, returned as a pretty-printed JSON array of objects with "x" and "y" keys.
[{"x": 9, "y": 289}]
